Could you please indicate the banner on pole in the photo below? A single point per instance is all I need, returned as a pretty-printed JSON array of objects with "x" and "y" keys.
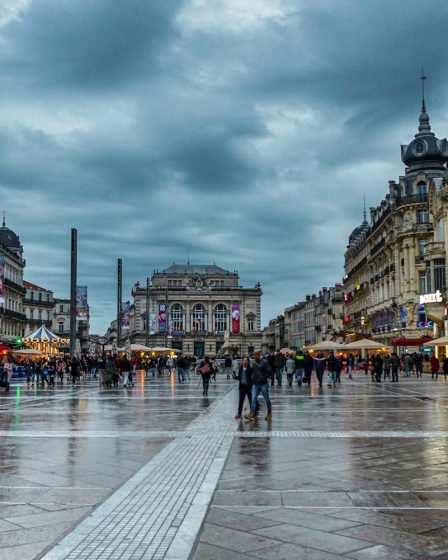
[
  {"x": 82, "y": 307},
  {"x": 152, "y": 323},
  {"x": 162, "y": 317},
  {"x": 2, "y": 280},
  {"x": 235, "y": 318},
  {"x": 125, "y": 315}
]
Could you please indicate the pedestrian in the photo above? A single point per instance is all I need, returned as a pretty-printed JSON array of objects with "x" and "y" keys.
[
  {"x": 378, "y": 368},
  {"x": 339, "y": 366},
  {"x": 271, "y": 363},
  {"x": 74, "y": 370},
  {"x": 387, "y": 366},
  {"x": 435, "y": 367},
  {"x": 260, "y": 377},
  {"x": 28, "y": 369},
  {"x": 290, "y": 367},
  {"x": 245, "y": 385},
  {"x": 319, "y": 365},
  {"x": 408, "y": 365},
  {"x": 4, "y": 377},
  {"x": 332, "y": 366},
  {"x": 206, "y": 370},
  {"x": 299, "y": 367},
  {"x": 365, "y": 364},
  {"x": 125, "y": 368},
  {"x": 308, "y": 368},
  {"x": 44, "y": 374},
  {"x": 61, "y": 370},
  {"x": 110, "y": 371},
  {"x": 418, "y": 362},
  {"x": 445, "y": 366},
  {"x": 228, "y": 366},
  {"x": 394, "y": 366},
  {"x": 279, "y": 367}
]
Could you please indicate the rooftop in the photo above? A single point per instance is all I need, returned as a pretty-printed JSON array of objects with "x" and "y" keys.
[{"x": 188, "y": 268}]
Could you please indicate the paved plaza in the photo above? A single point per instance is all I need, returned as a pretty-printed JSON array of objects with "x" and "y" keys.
[{"x": 159, "y": 471}]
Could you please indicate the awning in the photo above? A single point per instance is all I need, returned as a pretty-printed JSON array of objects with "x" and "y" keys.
[{"x": 410, "y": 341}]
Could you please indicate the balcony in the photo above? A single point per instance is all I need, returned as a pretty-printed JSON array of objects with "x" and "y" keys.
[
  {"x": 14, "y": 286},
  {"x": 412, "y": 199},
  {"x": 435, "y": 249},
  {"x": 13, "y": 315}
]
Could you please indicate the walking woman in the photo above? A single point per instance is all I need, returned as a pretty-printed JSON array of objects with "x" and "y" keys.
[{"x": 206, "y": 371}]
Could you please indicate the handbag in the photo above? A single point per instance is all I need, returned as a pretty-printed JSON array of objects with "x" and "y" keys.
[{"x": 205, "y": 369}]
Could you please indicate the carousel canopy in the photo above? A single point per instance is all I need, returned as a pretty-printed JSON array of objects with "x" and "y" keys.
[{"x": 42, "y": 335}]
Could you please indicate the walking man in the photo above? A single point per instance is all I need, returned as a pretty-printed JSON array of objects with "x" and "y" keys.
[
  {"x": 260, "y": 377},
  {"x": 299, "y": 367},
  {"x": 245, "y": 385}
]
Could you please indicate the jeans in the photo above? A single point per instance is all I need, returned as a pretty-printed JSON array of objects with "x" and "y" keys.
[
  {"x": 125, "y": 375},
  {"x": 299, "y": 376},
  {"x": 279, "y": 375},
  {"x": 320, "y": 375},
  {"x": 256, "y": 390},
  {"x": 332, "y": 378}
]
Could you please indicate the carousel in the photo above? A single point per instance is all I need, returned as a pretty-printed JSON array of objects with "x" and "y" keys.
[{"x": 44, "y": 341}]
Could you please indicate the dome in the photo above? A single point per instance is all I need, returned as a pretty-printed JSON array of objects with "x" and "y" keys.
[
  {"x": 425, "y": 151},
  {"x": 9, "y": 238}
]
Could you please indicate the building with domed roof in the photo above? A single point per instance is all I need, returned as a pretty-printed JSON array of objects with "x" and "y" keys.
[
  {"x": 196, "y": 309},
  {"x": 392, "y": 262},
  {"x": 12, "y": 292}
]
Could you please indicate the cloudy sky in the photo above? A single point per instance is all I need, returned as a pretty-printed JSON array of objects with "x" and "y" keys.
[{"x": 241, "y": 132}]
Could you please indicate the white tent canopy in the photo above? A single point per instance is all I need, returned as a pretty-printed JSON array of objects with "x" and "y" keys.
[
  {"x": 28, "y": 352},
  {"x": 326, "y": 345},
  {"x": 134, "y": 348},
  {"x": 443, "y": 341},
  {"x": 364, "y": 344}
]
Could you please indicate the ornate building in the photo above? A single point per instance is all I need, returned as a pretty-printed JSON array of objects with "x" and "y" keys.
[
  {"x": 12, "y": 292},
  {"x": 196, "y": 309},
  {"x": 38, "y": 306},
  {"x": 394, "y": 260}
]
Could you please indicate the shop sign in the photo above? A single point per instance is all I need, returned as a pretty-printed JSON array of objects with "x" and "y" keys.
[
  {"x": 425, "y": 324},
  {"x": 431, "y": 298}
]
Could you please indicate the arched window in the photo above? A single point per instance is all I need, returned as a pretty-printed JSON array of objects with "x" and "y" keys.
[
  {"x": 250, "y": 322},
  {"x": 198, "y": 318},
  {"x": 177, "y": 315},
  {"x": 422, "y": 190},
  {"x": 220, "y": 318}
]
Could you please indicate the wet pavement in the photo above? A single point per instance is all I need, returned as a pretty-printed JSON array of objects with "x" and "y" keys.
[{"x": 158, "y": 471}]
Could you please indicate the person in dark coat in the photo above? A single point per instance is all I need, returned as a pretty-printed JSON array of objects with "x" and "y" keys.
[
  {"x": 244, "y": 377},
  {"x": 319, "y": 364},
  {"x": 308, "y": 366},
  {"x": 378, "y": 367},
  {"x": 260, "y": 376},
  {"x": 206, "y": 371}
]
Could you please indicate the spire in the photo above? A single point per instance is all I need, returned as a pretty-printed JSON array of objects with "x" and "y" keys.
[
  {"x": 424, "y": 126},
  {"x": 364, "y": 210}
]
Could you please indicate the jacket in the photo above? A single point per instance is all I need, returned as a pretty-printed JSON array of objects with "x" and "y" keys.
[
  {"x": 249, "y": 374},
  {"x": 261, "y": 372}
]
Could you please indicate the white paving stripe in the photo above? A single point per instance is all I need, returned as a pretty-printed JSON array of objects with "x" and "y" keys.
[{"x": 159, "y": 511}]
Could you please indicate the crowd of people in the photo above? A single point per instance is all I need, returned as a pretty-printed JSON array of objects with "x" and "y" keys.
[{"x": 254, "y": 375}]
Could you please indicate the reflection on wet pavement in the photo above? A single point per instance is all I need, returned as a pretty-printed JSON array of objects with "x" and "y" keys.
[{"x": 358, "y": 472}]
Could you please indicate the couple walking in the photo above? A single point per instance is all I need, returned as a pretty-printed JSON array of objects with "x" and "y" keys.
[{"x": 253, "y": 380}]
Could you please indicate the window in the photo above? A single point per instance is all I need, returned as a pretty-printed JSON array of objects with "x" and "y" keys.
[
  {"x": 422, "y": 217},
  {"x": 439, "y": 275},
  {"x": 220, "y": 318},
  {"x": 198, "y": 318},
  {"x": 61, "y": 309},
  {"x": 177, "y": 315},
  {"x": 48, "y": 297},
  {"x": 251, "y": 322},
  {"x": 31, "y": 296},
  {"x": 422, "y": 190},
  {"x": 48, "y": 315},
  {"x": 61, "y": 327},
  {"x": 422, "y": 282},
  {"x": 440, "y": 231},
  {"x": 421, "y": 246},
  {"x": 40, "y": 296}
]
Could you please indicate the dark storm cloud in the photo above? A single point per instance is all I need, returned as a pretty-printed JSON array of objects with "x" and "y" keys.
[{"x": 244, "y": 132}]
